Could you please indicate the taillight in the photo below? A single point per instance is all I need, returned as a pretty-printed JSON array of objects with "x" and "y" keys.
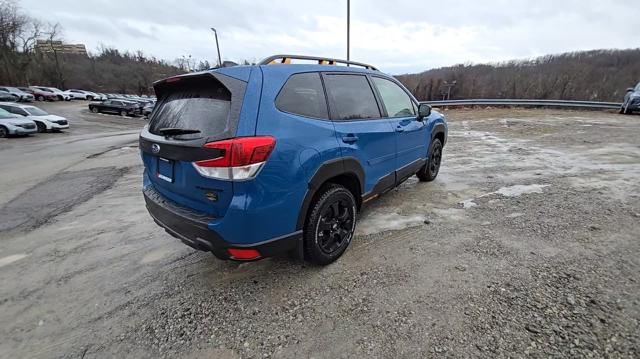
[{"x": 241, "y": 159}]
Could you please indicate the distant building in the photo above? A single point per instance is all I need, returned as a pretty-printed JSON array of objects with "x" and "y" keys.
[{"x": 47, "y": 46}]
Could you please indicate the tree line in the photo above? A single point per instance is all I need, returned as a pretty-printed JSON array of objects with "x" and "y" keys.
[
  {"x": 107, "y": 70},
  {"x": 599, "y": 75}
]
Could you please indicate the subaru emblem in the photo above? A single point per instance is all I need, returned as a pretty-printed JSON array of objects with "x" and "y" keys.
[{"x": 155, "y": 148}]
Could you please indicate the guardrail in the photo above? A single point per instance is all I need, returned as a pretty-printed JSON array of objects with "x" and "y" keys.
[{"x": 515, "y": 102}]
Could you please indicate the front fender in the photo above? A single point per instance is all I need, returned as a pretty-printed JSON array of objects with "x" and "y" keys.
[{"x": 437, "y": 123}]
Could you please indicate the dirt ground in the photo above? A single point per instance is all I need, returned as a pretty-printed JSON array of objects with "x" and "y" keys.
[{"x": 527, "y": 244}]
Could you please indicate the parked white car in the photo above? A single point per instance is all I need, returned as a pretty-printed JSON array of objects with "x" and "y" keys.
[
  {"x": 44, "y": 121},
  {"x": 12, "y": 124},
  {"x": 59, "y": 93},
  {"x": 81, "y": 94}
]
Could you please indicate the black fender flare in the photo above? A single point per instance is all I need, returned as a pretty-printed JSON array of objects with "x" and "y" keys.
[
  {"x": 439, "y": 128},
  {"x": 326, "y": 171}
]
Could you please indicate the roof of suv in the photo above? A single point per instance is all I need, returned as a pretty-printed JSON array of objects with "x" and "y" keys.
[
  {"x": 242, "y": 72},
  {"x": 282, "y": 64}
]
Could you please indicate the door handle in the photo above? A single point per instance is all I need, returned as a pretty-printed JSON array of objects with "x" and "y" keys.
[
  {"x": 400, "y": 129},
  {"x": 350, "y": 138}
]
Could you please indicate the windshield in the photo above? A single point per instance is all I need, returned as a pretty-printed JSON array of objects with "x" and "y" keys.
[
  {"x": 638, "y": 87},
  {"x": 6, "y": 114},
  {"x": 35, "y": 111}
]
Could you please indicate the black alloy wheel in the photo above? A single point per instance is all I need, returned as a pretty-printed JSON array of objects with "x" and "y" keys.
[
  {"x": 41, "y": 127},
  {"x": 430, "y": 170},
  {"x": 331, "y": 224}
]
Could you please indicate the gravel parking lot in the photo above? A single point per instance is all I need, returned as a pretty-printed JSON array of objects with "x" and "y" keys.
[{"x": 527, "y": 244}]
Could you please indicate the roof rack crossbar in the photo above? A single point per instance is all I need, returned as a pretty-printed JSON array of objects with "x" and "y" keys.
[{"x": 286, "y": 59}]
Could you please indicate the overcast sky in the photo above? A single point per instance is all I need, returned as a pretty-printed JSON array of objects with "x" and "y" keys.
[{"x": 399, "y": 36}]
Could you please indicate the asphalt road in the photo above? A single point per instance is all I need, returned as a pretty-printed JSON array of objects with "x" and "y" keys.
[{"x": 527, "y": 244}]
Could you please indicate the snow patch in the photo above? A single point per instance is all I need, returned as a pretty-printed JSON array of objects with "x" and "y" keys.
[
  {"x": 12, "y": 258},
  {"x": 380, "y": 222},
  {"x": 519, "y": 189},
  {"x": 509, "y": 191},
  {"x": 468, "y": 203}
]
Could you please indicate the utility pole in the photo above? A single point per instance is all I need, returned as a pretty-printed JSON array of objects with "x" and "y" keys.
[
  {"x": 449, "y": 85},
  {"x": 218, "y": 47},
  {"x": 348, "y": 26}
]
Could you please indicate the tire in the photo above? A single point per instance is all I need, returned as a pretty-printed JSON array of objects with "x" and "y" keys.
[
  {"x": 123, "y": 113},
  {"x": 41, "y": 127},
  {"x": 330, "y": 224},
  {"x": 94, "y": 110},
  {"x": 430, "y": 170},
  {"x": 40, "y": 98},
  {"x": 4, "y": 133}
]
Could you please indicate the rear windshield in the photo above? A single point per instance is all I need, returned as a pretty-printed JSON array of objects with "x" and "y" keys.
[{"x": 201, "y": 104}]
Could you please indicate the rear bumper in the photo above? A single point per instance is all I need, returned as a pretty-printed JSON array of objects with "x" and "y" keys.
[
  {"x": 192, "y": 229},
  {"x": 633, "y": 106}
]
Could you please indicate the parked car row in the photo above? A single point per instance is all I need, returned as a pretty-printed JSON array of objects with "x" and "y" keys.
[
  {"x": 124, "y": 105},
  {"x": 22, "y": 119},
  {"x": 44, "y": 93}
]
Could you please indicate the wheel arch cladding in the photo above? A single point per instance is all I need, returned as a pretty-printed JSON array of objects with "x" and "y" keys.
[
  {"x": 439, "y": 132},
  {"x": 345, "y": 171}
]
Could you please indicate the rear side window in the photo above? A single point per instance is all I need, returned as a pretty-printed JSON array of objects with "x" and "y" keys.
[
  {"x": 303, "y": 95},
  {"x": 351, "y": 97},
  {"x": 201, "y": 104}
]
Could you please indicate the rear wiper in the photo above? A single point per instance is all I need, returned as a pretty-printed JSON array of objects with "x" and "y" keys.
[{"x": 170, "y": 131}]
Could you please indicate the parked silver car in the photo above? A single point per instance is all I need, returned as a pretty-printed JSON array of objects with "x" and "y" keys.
[
  {"x": 22, "y": 96},
  {"x": 11, "y": 124}
]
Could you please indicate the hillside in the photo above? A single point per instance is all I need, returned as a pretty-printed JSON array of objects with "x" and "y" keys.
[{"x": 599, "y": 75}]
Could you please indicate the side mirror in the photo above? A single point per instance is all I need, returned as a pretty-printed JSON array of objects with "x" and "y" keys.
[
  {"x": 630, "y": 89},
  {"x": 424, "y": 110}
]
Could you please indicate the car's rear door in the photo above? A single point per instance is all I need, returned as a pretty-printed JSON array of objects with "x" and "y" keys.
[
  {"x": 410, "y": 134},
  {"x": 209, "y": 105},
  {"x": 360, "y": 128}
]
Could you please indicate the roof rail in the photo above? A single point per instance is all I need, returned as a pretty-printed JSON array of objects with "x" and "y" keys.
[{"x": 286, "y": 59}]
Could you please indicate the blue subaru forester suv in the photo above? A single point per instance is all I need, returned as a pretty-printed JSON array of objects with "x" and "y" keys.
[{"x": 251, "y": 161}]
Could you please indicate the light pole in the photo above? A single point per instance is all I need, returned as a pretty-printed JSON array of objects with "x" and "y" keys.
[
  {"x": 348, "y": 23},
  {"x": 217, "y": 46}
]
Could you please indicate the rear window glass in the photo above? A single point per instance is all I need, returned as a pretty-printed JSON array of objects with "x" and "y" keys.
[
  {"x": 194, "y": 104},
  {"x": 351, "y": 97},
  {"x": 303, "y": 95}
]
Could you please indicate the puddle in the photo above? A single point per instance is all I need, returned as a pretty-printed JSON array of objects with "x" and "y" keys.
[
  {"x": 12, "y": 258},
  {"x": 380, "y": 222}
]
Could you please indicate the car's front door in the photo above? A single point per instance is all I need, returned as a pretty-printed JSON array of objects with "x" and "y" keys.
[
  {"x": 411, "y": 136},
  {"x": 115, "y": 106},
  {"x": 361, "y": 131}
]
